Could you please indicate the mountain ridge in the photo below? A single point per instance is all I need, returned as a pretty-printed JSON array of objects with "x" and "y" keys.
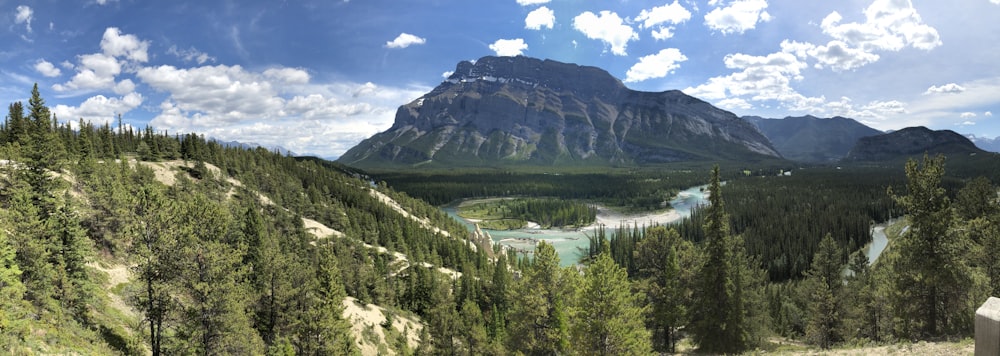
[
  {"x": 911, "y": 141},
  {"x": 812, "y": 139},
  {"x": 520, "y": 110}
]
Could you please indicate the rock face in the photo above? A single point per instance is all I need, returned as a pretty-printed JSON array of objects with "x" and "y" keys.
[
  {"x": 811, "y": 139},
  {"x": 911, "y": 141},
  {"x": 520, "y": 110}
]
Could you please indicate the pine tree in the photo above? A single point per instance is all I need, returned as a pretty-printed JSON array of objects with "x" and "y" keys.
[
  {"x": 609, "y": 319},
  {"x": 825, "y": 289},
  {"x": 538, "y": 320},
  {"x": 931, "y": 278}
]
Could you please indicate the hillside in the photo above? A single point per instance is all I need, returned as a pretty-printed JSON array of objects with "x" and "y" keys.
[
  {"x": 909, "y": 142},
  {"x": 524, "y": 111},
  {"x": 811, "y": 139}
]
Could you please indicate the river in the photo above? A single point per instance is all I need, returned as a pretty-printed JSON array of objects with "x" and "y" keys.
[{"x": 569, "y": 243}]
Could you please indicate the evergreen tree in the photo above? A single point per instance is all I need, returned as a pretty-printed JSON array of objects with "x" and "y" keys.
[
  {"x": 538, "y": 320},
  {"x": 609, "y": 320},
  {"x": 931, "y": 278},
  {"x": 153, "y": 252},
  {"x": 12, "y": 306},
  {"x": 722, "y": 313},
  {"x": 658, "y": 257},
  {"x": 824, "y": 286}
]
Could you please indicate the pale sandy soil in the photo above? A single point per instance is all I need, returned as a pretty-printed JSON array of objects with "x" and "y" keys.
[
  {"x": 395, "y": 206},
  {"x": 117, "y": 274},
  {"x": 612, "y": 219},
  {"x": 362, "y": 317}
]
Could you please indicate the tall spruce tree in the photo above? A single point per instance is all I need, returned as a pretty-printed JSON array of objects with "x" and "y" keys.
[
  {"x": 722, "y": 310},
  {"x": 931, "y": 277},
  {"x": 825, "y": 286}
]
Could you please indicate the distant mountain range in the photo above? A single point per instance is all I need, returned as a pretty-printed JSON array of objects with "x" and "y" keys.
[
  {"x": 988, "y": 144},
  {"x": 507, "y": 111},
  {"x": 911, "y": 141},
  {"x": 811, "y": 139},
  {"x": 526, "y": 111},
  {"x": 251, "y": 145}
]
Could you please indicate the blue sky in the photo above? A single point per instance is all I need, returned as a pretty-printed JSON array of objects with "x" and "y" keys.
[{"x": 319, "y": 76}]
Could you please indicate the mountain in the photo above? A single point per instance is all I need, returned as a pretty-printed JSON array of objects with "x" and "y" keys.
[
  {"x": 520, "y": 110},
  {"x": 252, "y": 145},
  {"x": 985, "y": 143},
  {"x": 812, "y": 139},
  {"x": 911, "y": 141}
]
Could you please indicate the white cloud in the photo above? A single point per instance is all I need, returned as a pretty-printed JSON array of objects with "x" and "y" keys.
[
  {"x": 287, "y": 75},
  {"x": 662, "y": 33},
  {"x": 995, "y": 2},
  {"x": 967, "y": 115},
  {"x": 105, "y": 2},
  {"x": 95, "y": 71},
  {"x": 950, "y": 88},
  {"x": 667, "y": 14},
  {"x": 540, "y": 17},
  {"x": 607, "y": 27},
  {"x": 124, "y": 87},
  {"x": 190, "y": 55},
  {"x": 655, "y": 65},
  {"x": 447, "y": 74},
  {"x": 129, "y": 46},
  {"x": 988, "y": 113},
  {"x": 890, "y": 25},
  {"x": 24, "y": 15},
  {"x": 761, "y": 78},
  {"x": 509, "y": 48},
  {"x": 232, "y": 103},
  {"x": 405, "y": 40},
  {"x": 839, "y": 57},
  {"x": 532, "y": 2},
  {"x": 99, "y": 109},
  {"x": 734, "y": 104},
  {"x": 738, "y": 17},
  {"x": 874, "y": 113},
  {"x": 967, "y": 123},
  {"x": 47, "y": 69}
]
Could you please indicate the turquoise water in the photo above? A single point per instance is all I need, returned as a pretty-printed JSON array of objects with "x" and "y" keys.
[{"x": 572, "y": 244}]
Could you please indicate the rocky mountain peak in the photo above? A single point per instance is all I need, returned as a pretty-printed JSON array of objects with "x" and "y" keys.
[
  {"x": 520, "y": 110},
  {"x": 556, "y": 76}
]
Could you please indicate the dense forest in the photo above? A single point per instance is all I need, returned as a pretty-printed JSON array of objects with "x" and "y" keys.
[{"x": 124, "y": 241}]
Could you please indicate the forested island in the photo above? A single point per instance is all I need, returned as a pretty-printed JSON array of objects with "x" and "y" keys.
[
  {"x": 123, "y": 241},
  {"x": 515, "y": 213}
]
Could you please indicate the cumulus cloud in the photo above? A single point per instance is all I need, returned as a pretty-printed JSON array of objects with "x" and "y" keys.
[
  {"x": 47, "y": 69},
  {"x": 447, "y": 74},
  {"x": 24, "y": 14},
  {"x": 838, "y": 56},
  {"x": 667, "y": 14},
  {"x": 967, "y": 115},
  {"x": 890, "y": 25},
  {"x": 989, "y": 113},
  {"x": 116, "y": 44},
  {"x": 405, "y": 40},
  {"x": 662, "y": 18},
  {"x": 655, "y": 65},
  {"x": 738, "y": 17},
  {"x": 540, "y": 17},
  {"x": 96, "y": 71},
  {"x": 287, "y": 75},
  {"x": 761, "y": 78},
  {"x": 277, "y": 106},
  {"x": 532, "y": 2},
  {"x": 874, "y": 112},
  {"x": 509, "y": 48},
  {"x": 608, "y": 27},
  {"x": 190, "y": 55},
  {"x": 950, "y": 88},
  {"x": 99, "y": 109}
]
